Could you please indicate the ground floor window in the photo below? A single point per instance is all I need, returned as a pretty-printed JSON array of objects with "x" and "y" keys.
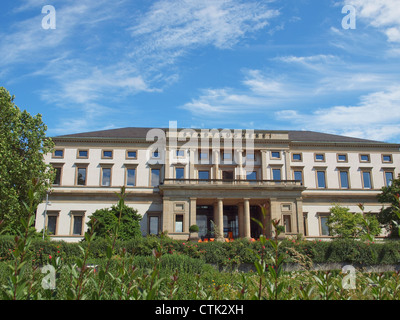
[
  {"x": 154, "y": 225},
  {"x": 323, "y": 222},
  {"x": 179, "y": 223}
]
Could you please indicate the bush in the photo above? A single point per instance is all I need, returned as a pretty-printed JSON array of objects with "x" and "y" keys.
[{"x": 220, "y": 253}]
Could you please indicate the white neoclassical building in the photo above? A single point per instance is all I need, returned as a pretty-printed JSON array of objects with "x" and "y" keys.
[{"x": 214, "y": 178}]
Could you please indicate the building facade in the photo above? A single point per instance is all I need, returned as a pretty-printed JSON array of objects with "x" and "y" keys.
[{"x": 216, "y": 179}]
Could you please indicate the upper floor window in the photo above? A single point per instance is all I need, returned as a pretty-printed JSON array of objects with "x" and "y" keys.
[
  {"x": 276, "y": 174},
  {"x": 58, "y": 153},
  {"x": 251, "y": 175},
  {"x": 83, "y": 154},
  {"x": 204, "y": 174},
  {"x": 180, "y": 153},
  {"x": 131, "y": 154},
  {"x": 319, "y": 157},
  {"x": 107, "y": 154},
  {"x": 155, "y": 154},
  {"x": 250, "y": 156},
  {"x": 387, "y": 158},
  {"x": 298, "y": 175},
  {"x": 275, "y": 154},
  {"x": 130, "y": 177},
  {"x": 155, "y": 177},
  {"x": 344, "y": 179},
  {"x": 388, "y": 178},
  {"x": 106, "y": 176},
  {"x": 57, "y": 178},
  {"x": 179, "y": 173},
  {"x": 81, "y": 176},
  {"x": 296, "y": 156},
  {"x": 342, "y": 157},
  {"x": 321, "y": 179},
  {"x": 364, "y": 158},
  {"x": 366, "y": 178}
]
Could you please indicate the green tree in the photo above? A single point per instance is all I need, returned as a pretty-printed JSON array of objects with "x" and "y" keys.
[
  {"x": 344, "y": 223},
  {"x": 23, "y": 143},
  {"x": 388, "y": 217},
  {"x": 107, "y": 219}
]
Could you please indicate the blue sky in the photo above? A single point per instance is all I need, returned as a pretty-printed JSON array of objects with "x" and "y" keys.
[{"x": 272, "y": 65}]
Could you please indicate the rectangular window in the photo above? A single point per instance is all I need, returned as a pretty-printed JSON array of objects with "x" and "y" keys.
[
  {"x": 388, "y": 178},
  {"x": 298, "y": 175},
  {"x": 276, "y": 174},
  {"x": 130, "y": 177},
  {"x": 324, "y": 225},
  {"x": 81, "y": 176},
  {"x": 287, "y": 223},
  {"x": 227, "y": 156},
  {"x": 180, "y": 153},
  {"x": 250, "y": 156},
  {"x": 179, "y": 223},
  {"x": 387, "y": 158},
  {"x": 275, "y": 155},
  {"x": 59, "y": 153},
  {"x": 204, "y": 175},
  {"x": 251, "y": 175},
  {"x": 319, "y": 157},
  {"x": 321, "y": 183},
  {"x": 155, "y": 177},
  {"x": 364, "y": 157},
  {"x": 203, "y": 155},
  {"x": 296, "y": 156},
  {"x": 344, "y": 179},
  {"x": 342, "y": 157},
  {"x": 52, "y": 224},
  {"x": 179, "y": 173},
  {"x": 367, "y": 183},
  {"x": 107, "y": 154},
  {"x": 83, "y": 154},
  {"x": 131, "y": 154},
  {"x": 305, "y": 223},
  {"x": 153, "y": 225},
  {"x": 77, "y": 224},
  {"x": 106, "y": 177},
  {"x": 227, "y": 175},
  {"x": 57, "y": 178}
]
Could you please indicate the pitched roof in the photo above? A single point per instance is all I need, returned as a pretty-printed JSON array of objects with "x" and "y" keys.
[
  {"x": 312, "y": 136},
  {"x": 294, "y": 135}
]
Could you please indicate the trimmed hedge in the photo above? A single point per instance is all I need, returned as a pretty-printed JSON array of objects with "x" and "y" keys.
[{"x": 221, "y": 253}]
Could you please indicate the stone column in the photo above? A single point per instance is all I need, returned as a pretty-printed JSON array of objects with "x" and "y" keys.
[
  {"x": 192, "y": 218},
  {"x": 264, "y": 165},
  {"x": 240, "y": 162},
  {"x": 167, "y": 163},
  {"x": 215, "y": 158},
  {"x": 220, "y": 224},
  {"x": 167, "y": 223},
  {"x": 247, "y": 231},
  {"x": 191, "y": 163},
  {"x": 299, "y": 215},
  {"x": 241, "y": 219}
]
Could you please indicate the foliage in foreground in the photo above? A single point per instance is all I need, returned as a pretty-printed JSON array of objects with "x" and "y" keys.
[{"x": 120, "y": 274}]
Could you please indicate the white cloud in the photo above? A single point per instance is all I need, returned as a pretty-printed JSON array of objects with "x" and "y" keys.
[
  {"x": 176, "y": 26},
  {"x": 382, "y": 14},
  {"x": 376, "y": 116}
]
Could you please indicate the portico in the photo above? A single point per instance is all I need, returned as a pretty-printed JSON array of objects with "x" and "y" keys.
[{"x": 222, "y": 211}]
